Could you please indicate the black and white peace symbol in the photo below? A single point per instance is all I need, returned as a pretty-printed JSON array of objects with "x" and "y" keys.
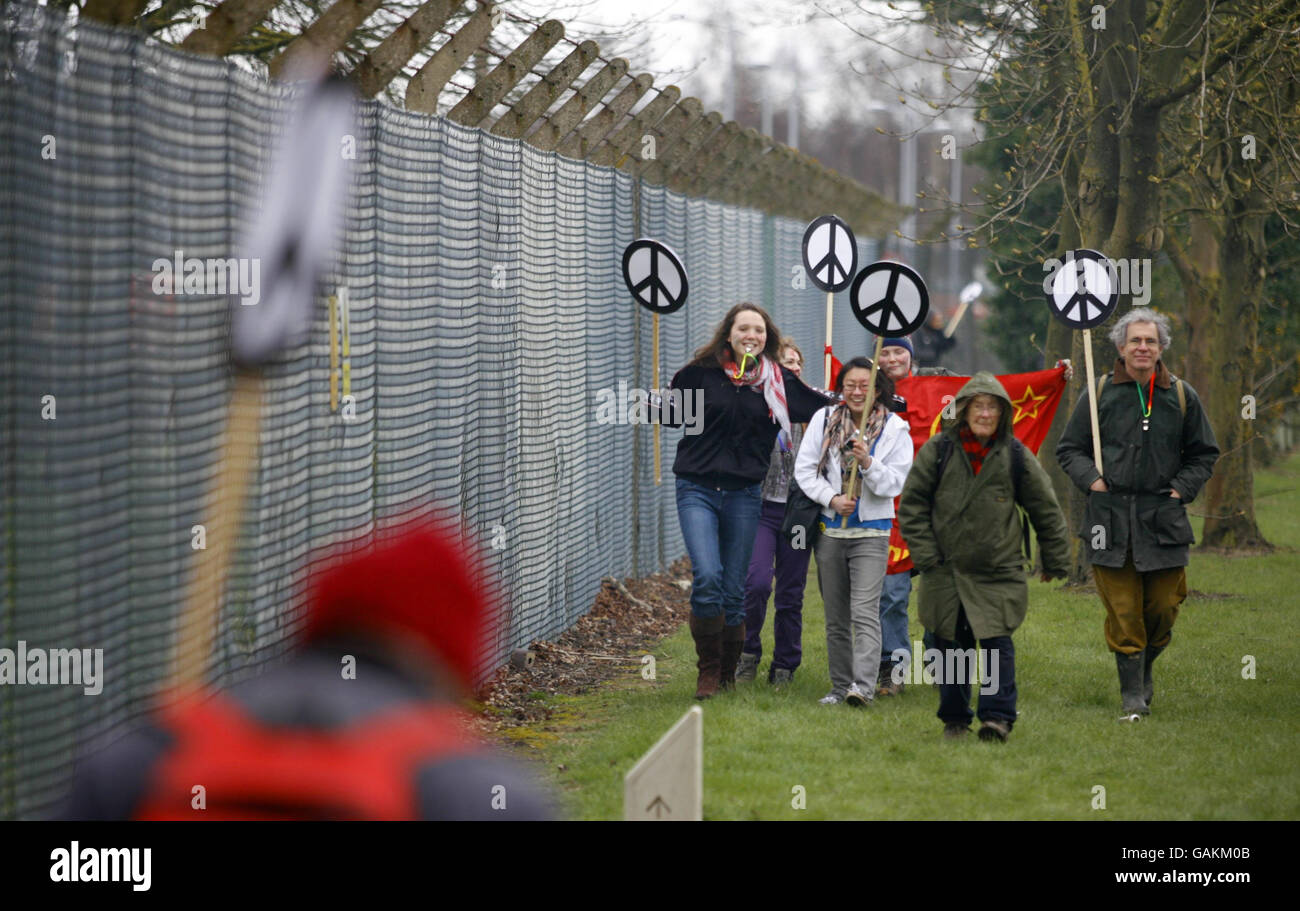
[
  {"x": 655, "y": 276},
  {"x": 830, "y": 253},
  {"x": 1083, "y": 291},
  {"x": 300, "y": 215},
  {"x": 889, "y": 299}
]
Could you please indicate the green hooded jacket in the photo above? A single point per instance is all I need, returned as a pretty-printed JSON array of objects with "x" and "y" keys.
[
  {"x": 965, "y": 532},
  {"x": 1137, "y": 514}
]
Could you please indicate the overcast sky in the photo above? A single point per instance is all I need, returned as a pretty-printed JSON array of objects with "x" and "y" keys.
[{"x": 682, "y": 46}]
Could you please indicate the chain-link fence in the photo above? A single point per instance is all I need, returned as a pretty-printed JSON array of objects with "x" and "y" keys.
[{"x": 485, "y": 312}]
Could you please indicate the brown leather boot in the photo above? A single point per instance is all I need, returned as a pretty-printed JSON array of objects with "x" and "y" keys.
[
  {"x": 708, "y": 645},
  {"x": 733, "y": 642}
]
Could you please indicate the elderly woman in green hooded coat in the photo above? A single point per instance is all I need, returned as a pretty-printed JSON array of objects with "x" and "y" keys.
[{"x": 959, "y": 515}]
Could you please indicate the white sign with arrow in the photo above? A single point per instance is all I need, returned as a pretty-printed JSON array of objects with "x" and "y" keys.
[{"x": 668, "y": 781}]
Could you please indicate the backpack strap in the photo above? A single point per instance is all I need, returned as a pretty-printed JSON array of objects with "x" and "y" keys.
[
  {"x": 1101, "y": 384},
  {"x": 1017, "y": 465},
  {"x": 1182, "y": 394},
  {"x": 945, "y": 451},
  {"x": 1018, "y": 456}
]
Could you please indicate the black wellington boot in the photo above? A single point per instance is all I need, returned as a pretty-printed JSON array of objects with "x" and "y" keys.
[{"x": 1130, "y": 686}]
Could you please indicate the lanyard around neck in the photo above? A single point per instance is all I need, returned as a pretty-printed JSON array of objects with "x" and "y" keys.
[{"x": 1151, "y": 392}]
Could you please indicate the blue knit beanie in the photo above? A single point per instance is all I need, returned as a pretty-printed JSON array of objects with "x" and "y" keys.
[{"x": 898, "y": 343}]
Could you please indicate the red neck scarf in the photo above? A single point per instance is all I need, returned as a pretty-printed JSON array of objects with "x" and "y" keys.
[{"x": 976, "y": 450}]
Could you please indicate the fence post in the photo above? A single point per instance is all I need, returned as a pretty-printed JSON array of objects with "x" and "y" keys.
[
  {"x": 474, "y": 107},
  {"x": 515, "y": 122},
  {"x": 587, "y": 137},
  {"x": 612, "y": 151},
  {"x": 423, "y": 89},
  {"x": 570, "y": 114}
]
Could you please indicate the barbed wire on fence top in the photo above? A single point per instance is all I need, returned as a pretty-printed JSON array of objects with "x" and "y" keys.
[{"x": 354, "y": 33}]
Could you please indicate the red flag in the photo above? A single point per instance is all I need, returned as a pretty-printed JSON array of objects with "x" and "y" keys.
[
  {"x": 1034, "y": 399},
  {"x": 835, "y": 368}
]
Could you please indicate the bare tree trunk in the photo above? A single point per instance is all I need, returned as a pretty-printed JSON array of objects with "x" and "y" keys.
[
  {"x": 1197, "y": 263},
  {"x": 1229, "y": 500}
]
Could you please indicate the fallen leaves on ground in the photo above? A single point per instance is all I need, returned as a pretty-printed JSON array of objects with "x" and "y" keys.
[{"x": 608, "y": 642}]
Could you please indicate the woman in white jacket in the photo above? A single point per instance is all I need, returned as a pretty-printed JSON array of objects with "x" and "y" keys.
[{"x": 853, "y": 548}]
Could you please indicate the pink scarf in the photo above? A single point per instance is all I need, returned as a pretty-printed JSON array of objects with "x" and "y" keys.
[{"x": 767, "y": 376}]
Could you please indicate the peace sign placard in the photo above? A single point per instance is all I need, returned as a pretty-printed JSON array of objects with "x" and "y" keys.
[
  {"x": 1083, "y": 292},
  {"x": 655, "y": 276},
  {"x": 889, "y": 299},
  {"x": 830, "y": 253}
]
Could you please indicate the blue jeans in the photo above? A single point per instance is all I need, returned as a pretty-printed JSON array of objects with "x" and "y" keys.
[
  {"x": 893, "y": 618},
  {"x": 718, "y": 527}
]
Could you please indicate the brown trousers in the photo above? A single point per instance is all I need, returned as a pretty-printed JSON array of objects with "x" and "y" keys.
[{"x": 1140, "y": 607}]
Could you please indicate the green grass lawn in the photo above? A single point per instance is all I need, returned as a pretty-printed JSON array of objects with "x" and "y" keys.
[{"x": 1217, "y": 746}]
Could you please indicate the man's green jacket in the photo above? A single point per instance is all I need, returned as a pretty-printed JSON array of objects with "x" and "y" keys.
[{"x": 1142, "y": 468}]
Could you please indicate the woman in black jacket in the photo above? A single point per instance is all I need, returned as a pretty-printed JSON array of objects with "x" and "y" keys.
[{"x": 748, "y": 397}]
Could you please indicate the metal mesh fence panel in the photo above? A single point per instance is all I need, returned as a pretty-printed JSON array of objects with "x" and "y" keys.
[{"x": 481, "y": 321}]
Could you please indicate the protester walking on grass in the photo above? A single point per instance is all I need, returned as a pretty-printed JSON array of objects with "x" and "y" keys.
[
  {"x": 748, "y": 398},
  {"x": 775, "y": 557},
  {"x": 853, "y": 545},
  {"x": 1157, "y": 450},
  {"x": 896, "y": 359},
  {"x": 959, "y": 515}
]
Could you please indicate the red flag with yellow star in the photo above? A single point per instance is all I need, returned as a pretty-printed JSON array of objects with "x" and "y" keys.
[{"x": 1034, "y": 399}]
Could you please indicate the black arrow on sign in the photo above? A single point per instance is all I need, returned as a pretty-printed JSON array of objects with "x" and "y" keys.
[{"x": 658, "y": 805}]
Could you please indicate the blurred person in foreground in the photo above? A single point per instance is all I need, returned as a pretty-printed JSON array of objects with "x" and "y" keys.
[
  {"x": 360, "y": 723},
  {"x": 958, "y": 513}
]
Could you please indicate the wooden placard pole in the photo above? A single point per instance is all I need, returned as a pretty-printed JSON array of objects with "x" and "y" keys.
[
  {"x": 221, "y": 517},
  {"x": 952, "y": 326},
  {"x": 830, "y": 299},
  {"x": 866, "y": 413},
  {"x": 256, "y": 338},
  {"x": 655, "y": 347},
  {"x": 334, "y": 353},
  {"x": 1092, "y": 400}
]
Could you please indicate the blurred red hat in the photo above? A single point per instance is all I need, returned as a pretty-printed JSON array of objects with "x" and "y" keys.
[{"x": 418, "y": 583}]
